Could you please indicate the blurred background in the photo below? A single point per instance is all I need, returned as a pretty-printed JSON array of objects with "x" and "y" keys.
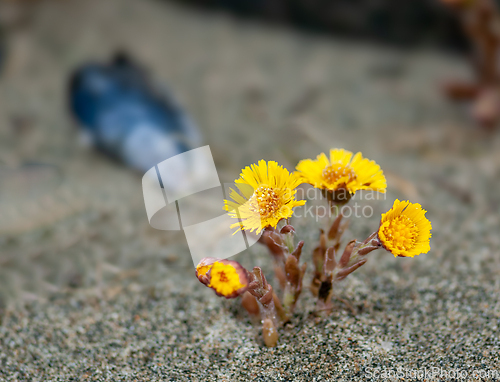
[{"x": 261, "y": 79}]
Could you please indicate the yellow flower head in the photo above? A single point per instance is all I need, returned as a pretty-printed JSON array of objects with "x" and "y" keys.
[
  {"x": 228, "y": 278},
  {"x": 342, "y": 171},
  {"x": 404, "y": 230},
  {"x": 266, "y": 194}
]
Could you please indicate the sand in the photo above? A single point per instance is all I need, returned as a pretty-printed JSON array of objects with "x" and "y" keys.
[{"x": 88, "y": 291}]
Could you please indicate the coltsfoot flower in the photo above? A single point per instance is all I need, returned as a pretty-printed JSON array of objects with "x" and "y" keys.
[
  {"x": 342, "y": 172},
  {"x": 228, "y": 278},
  {"x": 266, "y": 194},
  {"x": 404, "y": 230}
]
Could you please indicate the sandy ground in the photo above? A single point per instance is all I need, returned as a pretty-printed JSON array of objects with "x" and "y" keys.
[{"x": 88, "y": 291}]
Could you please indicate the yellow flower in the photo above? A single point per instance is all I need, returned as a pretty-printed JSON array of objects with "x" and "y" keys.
[
  {"x": 404, "y": 230},
  {"x": 228, "y": 278},
  {"x": 266, "y": 194},
  {"x": 342, "y": 172}
]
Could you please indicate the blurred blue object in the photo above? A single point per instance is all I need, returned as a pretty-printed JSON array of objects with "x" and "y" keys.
[{"x": 126, "y": 116}]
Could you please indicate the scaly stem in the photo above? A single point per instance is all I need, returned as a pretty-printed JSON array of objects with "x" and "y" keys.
[{"x": 264, "y": 295}]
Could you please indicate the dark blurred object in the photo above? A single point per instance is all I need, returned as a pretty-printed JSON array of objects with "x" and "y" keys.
[
  {"x": 404, "y": 23},
  {"x": 481, "y": 22},
  {"x": 126, "y": 116}
]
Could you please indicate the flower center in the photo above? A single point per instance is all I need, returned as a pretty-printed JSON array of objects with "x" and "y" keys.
[
  {"x": 337, "y": 171},
  {"x": 401, "y": 232},
  {"x": 265, "y": 201},
  {"x": 224, "y": 279}
]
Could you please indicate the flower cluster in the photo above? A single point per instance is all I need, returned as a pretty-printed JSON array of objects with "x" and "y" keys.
[{"x": 265, "y": 196}]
